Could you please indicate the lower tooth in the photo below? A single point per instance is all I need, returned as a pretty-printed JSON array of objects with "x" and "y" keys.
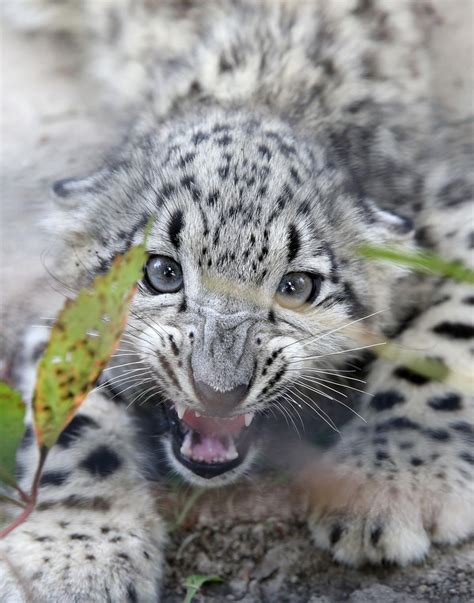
[
  {"x": 186, "y": 448},
  {"x": 231, "y": 451}
]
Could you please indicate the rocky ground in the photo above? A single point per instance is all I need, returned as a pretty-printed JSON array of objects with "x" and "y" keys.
[{"x": 254, "y": 537}]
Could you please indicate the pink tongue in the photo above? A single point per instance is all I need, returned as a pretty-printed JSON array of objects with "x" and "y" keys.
[
  {"x": 209, "y": 449},
  {"x": 210, "y": 426},
  {"x": 210, "y": 439}
]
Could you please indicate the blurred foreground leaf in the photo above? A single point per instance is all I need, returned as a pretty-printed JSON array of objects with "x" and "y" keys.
[
  {"x": 85, "y": 335},
  {"x": 12, "y": 414},
  {"x": 194, "y": 584},
  {"x": 82, "y": 340},
  {"x": 427, "y": 262}
]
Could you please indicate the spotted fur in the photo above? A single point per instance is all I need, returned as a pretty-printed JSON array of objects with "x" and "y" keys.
[{"x": 274, "y": 137}]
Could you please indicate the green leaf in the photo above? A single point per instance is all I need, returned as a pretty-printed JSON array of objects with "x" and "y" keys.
[
  {"x": 82, "y": 340},
  {"x": 194, "y": 584},
  {"x": 12, "y": 414},
  {"x": 422, "y": 262}
]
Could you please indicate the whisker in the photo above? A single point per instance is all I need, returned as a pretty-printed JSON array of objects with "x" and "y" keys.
[
  {"x": 132, "y": 331},
  {"x": 271, "y": 410},
  {"x": 152, "y": 325},
  {"x": 318, "y": 411},
  {"x": 339, "y": 402},
  {"x": 296, "y": 407},
  {"x": 123, "y": 378},
  {"x": 160, "y": 391},
  {"x": 149, "y": 345},
  {"x": 283, "y": 412},
  {"x": 127, "y": 355},
  {"x": 322, "y": 385},
  {"x": 134, "y": 349},
  {"x": 364, "y": 347},
  {"x": 154, "y": 389},
  {"x": 321, "y": 381},
  {"x": 280, "y": 410},
  {"x": 134, "y": 384},
  {"x": 117, "y": 366},
  {"x": 132, "y": 373},
  {"x": 321, "y": 335},
  {"x": 334, "y": 373},
  {"x": 65, "y": 286},
  {"x": 102, "y": 386}
]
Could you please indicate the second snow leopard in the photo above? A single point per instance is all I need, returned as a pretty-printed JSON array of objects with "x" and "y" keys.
[{"x": 274, "y": 138}]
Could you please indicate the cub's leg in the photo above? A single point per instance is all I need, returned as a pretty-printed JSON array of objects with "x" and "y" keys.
[
  {"x": 95, "y": 534},
  {"x": 406, "y": 479}
]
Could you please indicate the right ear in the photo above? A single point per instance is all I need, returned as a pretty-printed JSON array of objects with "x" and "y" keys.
[
  {"x": 68, "y": 191},
  {"x": 71, "y": 215}
]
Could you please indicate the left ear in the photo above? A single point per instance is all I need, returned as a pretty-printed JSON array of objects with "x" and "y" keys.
[
  {"x": 390, "y": 227},
  {"x": 387, "y": 229}
]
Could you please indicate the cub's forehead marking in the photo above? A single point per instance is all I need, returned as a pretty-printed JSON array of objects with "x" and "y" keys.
[
  {"x": 175, "y": 226},
  {"x": 293, "y": 242}
]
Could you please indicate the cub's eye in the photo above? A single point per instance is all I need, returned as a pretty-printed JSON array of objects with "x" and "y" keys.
[
  {"x": 163, "y": 274},
  {"x": 298, "y": 288}
]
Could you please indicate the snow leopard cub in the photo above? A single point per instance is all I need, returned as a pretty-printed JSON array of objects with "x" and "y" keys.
[{"x": 274, "y": 138}]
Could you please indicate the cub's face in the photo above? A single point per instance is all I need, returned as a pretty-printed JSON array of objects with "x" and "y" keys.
[{"x": 253, "y": 279}]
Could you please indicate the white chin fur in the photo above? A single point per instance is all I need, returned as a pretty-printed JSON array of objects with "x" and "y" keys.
[{"x": 214, "y": 482}]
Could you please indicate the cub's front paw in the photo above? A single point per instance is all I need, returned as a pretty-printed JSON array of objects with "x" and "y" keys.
[
  {"x": 389, "y": 515},
  {"x": 67, "y": 555}
]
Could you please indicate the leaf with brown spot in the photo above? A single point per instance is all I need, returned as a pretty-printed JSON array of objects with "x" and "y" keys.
[{"x": 85, "y": 335}]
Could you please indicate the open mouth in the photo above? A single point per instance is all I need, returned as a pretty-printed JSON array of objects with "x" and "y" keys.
[{"x": 210, "y": 446}]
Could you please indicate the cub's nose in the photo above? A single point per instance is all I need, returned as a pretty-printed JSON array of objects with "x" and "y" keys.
[{"x": 219, "y": 403}]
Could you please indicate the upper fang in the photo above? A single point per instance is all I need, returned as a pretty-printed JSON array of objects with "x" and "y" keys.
[
  {"x": 248, "y": 418},
  {"x": 180, "y": 409}
]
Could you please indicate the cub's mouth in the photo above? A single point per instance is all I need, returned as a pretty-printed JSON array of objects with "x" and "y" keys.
[{"x": 210, "y": 446}]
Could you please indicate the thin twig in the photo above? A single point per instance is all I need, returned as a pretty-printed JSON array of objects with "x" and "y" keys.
[{"x": 31, "y": 504}]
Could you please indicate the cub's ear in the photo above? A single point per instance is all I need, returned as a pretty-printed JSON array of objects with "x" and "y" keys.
[
  {"x": 65, "y": 187},
  {"x": 74, "y": 200},
  {"x": 395, "y": 223},
  {"x": 69, "y": 191},
  {"x": 386, "y": 229},
  {"x": 388, "y": 226}
]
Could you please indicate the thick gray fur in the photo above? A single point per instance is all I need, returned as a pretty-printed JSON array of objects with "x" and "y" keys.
[{"x": 254, "y": 120}]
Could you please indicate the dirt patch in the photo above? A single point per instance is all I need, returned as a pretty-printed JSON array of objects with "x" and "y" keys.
[{"x": 257, "y": 540}]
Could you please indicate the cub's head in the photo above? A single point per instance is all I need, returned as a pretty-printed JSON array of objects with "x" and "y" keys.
[{"x": 253, "y": 279}]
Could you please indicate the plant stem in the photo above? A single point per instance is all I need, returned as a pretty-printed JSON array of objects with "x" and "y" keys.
[
  {"x": 190, "y": 594},
  {"x": 19, "y": 520},
  {"x": 36, "y": 480},
  {"x": 23, "y": 495},
  {"x": 12, "y": 501},
  {"x": 31, "y": 499},
  {"x": 188, "y": 505}
]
